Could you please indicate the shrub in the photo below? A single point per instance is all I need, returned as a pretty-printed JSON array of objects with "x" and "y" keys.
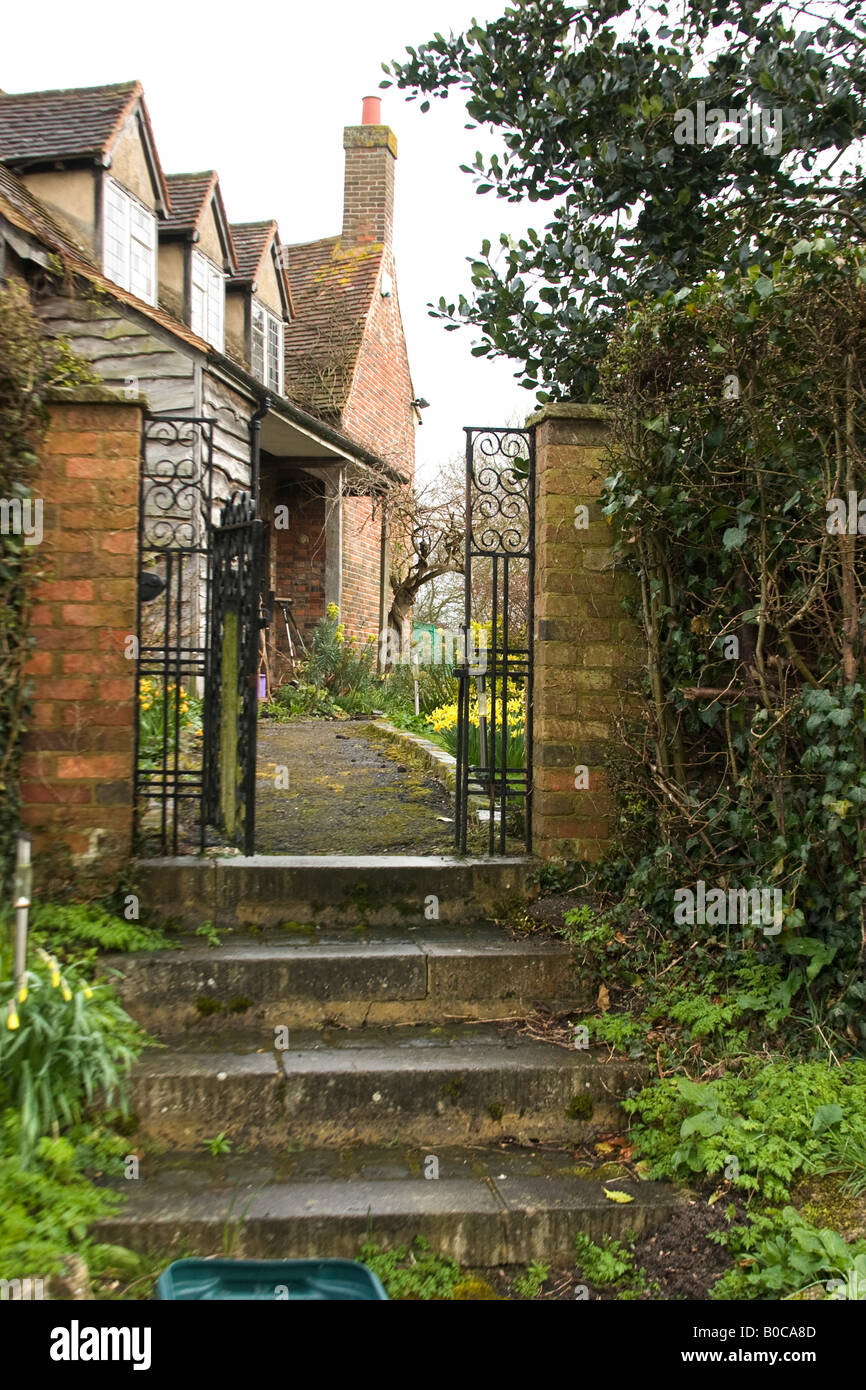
[
  {"x": 728, "y": 401},
  {"x": 339, "y": 666},
  {"x": 761, "y": 1131},
  {"x": 63, "y": 1041}
]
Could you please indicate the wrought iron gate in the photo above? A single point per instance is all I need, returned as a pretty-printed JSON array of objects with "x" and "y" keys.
[
  {"x": 496, "y": 671},
  {"x": 172, "y": 635},
  {"x": 197, "y": 641},
  {"x": 231, "y": 685}
]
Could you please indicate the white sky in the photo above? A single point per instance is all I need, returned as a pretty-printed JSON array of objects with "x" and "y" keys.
[{"x": 262, "y": 93}]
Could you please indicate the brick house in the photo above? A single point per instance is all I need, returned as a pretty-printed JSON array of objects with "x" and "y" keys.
[{"x": 296, "y": 353}]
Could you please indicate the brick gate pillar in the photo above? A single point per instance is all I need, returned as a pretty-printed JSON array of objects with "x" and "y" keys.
[
  {"x": 586, "y": 647},
  {"x": 77, "y": 762}
]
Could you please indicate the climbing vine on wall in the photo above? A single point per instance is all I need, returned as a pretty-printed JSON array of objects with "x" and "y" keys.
[
  {"x": 30, "y": 363},
  {"x": 739, "y": 423}
]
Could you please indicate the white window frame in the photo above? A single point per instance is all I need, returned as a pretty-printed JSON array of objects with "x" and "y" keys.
[
  {"x": 270, "y": 324},
  {"x": 134, "y": 228},
  {"x": 207, "y": 309}
]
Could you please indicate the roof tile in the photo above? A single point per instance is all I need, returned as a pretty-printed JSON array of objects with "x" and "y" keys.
[
  {"x": 78, "y": 121},
  {"x": 332, "y": 287}
]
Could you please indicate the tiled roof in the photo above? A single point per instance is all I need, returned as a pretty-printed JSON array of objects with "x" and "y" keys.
[
  {"x": 332, "y": 287},
  {"x": 189, "y": 193},
  {"x": 190, "y": 196},
  {"x": 251, "y": 239},
  {"x": 78, "y": 121}
]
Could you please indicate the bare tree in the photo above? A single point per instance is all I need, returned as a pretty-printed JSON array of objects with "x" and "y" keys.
[{"x": 426, "y": 534}]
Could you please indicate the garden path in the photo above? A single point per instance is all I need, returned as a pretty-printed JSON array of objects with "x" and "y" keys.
[{"x": 326, "y": 787}]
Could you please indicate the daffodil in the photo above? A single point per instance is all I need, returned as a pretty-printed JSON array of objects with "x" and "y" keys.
[{"x": 12, "y": 1019}]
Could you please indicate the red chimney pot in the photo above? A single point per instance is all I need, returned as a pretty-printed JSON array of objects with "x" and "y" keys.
[{"x": 371, "y": 111}]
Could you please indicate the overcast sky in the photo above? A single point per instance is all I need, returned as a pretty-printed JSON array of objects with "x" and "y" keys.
[{"x": 262, "y": 93}]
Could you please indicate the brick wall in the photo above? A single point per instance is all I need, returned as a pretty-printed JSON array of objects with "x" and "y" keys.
[
  {"x": 379, "y": 411},
  {"x": 362, "y": 532},
  {"x": 77, "y": 765},
  {"x": 368, "y": 193},
  {"x": 299, "y": 569},
  {"x": 586, "y": 648}
]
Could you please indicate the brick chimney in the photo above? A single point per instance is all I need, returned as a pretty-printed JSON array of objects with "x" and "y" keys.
[{"x": 368, "y": 196}]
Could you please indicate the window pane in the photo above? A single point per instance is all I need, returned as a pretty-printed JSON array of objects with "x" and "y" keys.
[
  {"x": 257, "y": 354},
  {"x": 116, "y": 236},
  {"x": 275, "y": 345},
  {"x": 129, "y": 238},
  {"x": 197, "y": 309}
]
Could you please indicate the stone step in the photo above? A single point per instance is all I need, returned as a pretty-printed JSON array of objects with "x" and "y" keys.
[
  {"x": 401, "y": 975},
  {"x": 484, "y": 1207},
  {"x": 267, "y": 890},
  {"x": 413, "y": 1085}
]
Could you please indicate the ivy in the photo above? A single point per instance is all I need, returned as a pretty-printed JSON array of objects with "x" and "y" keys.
[{"x": 738, "y": 412}]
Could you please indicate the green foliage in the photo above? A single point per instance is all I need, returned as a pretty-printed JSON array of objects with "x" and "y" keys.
[
  {"x": 779, "y": 1254},
  {"x": 529, "y": 1284},
  {"x": 611, "y": 1265},
  {"x": 297, "y": 700},
  {"x": 691, "y": 1007},
  {"x": 73, "y": 926},
  {"x": 753, "y": 772},
  {"x": 339, "y": 666},
  {"x": 762, "y": 1129},
  {"x": 412, "y": 1272},
  {"x": 63, "y": 1042},
  {"x": 210, "y": 933},
  {"x": 217, "y": 1145},
  {"x": 437, "y": 685},
  {"x": 584, "y": 99},
  {"x": 515, "y": 744},
  {"x": 46, "y": 1201},
  {"x": 602, "y": 1264}
]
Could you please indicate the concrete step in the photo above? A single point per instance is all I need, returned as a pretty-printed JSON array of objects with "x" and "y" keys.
[
  {"x": 401, "y": 975},
  {"x": 484, "y": 1207},
  {"x": 415, "y": 1085},
  {"x": 267, "y": 890}
]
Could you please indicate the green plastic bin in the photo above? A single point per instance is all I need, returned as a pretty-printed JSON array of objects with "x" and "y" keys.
[{"x": 273, "y": 1280}]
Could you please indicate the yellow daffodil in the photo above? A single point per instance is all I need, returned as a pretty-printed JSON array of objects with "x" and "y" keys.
[
  {"x": 22, "y": 994},
  {"x": 66, "y": 992},
  {"x": 12, "y": 1019}
]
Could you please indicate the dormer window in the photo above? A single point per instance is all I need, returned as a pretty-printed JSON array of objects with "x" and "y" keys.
[
  {"x": 266, "y": 356},
  {"x": 129, "y": 243},
  {"x": 208, "y": 301}
]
